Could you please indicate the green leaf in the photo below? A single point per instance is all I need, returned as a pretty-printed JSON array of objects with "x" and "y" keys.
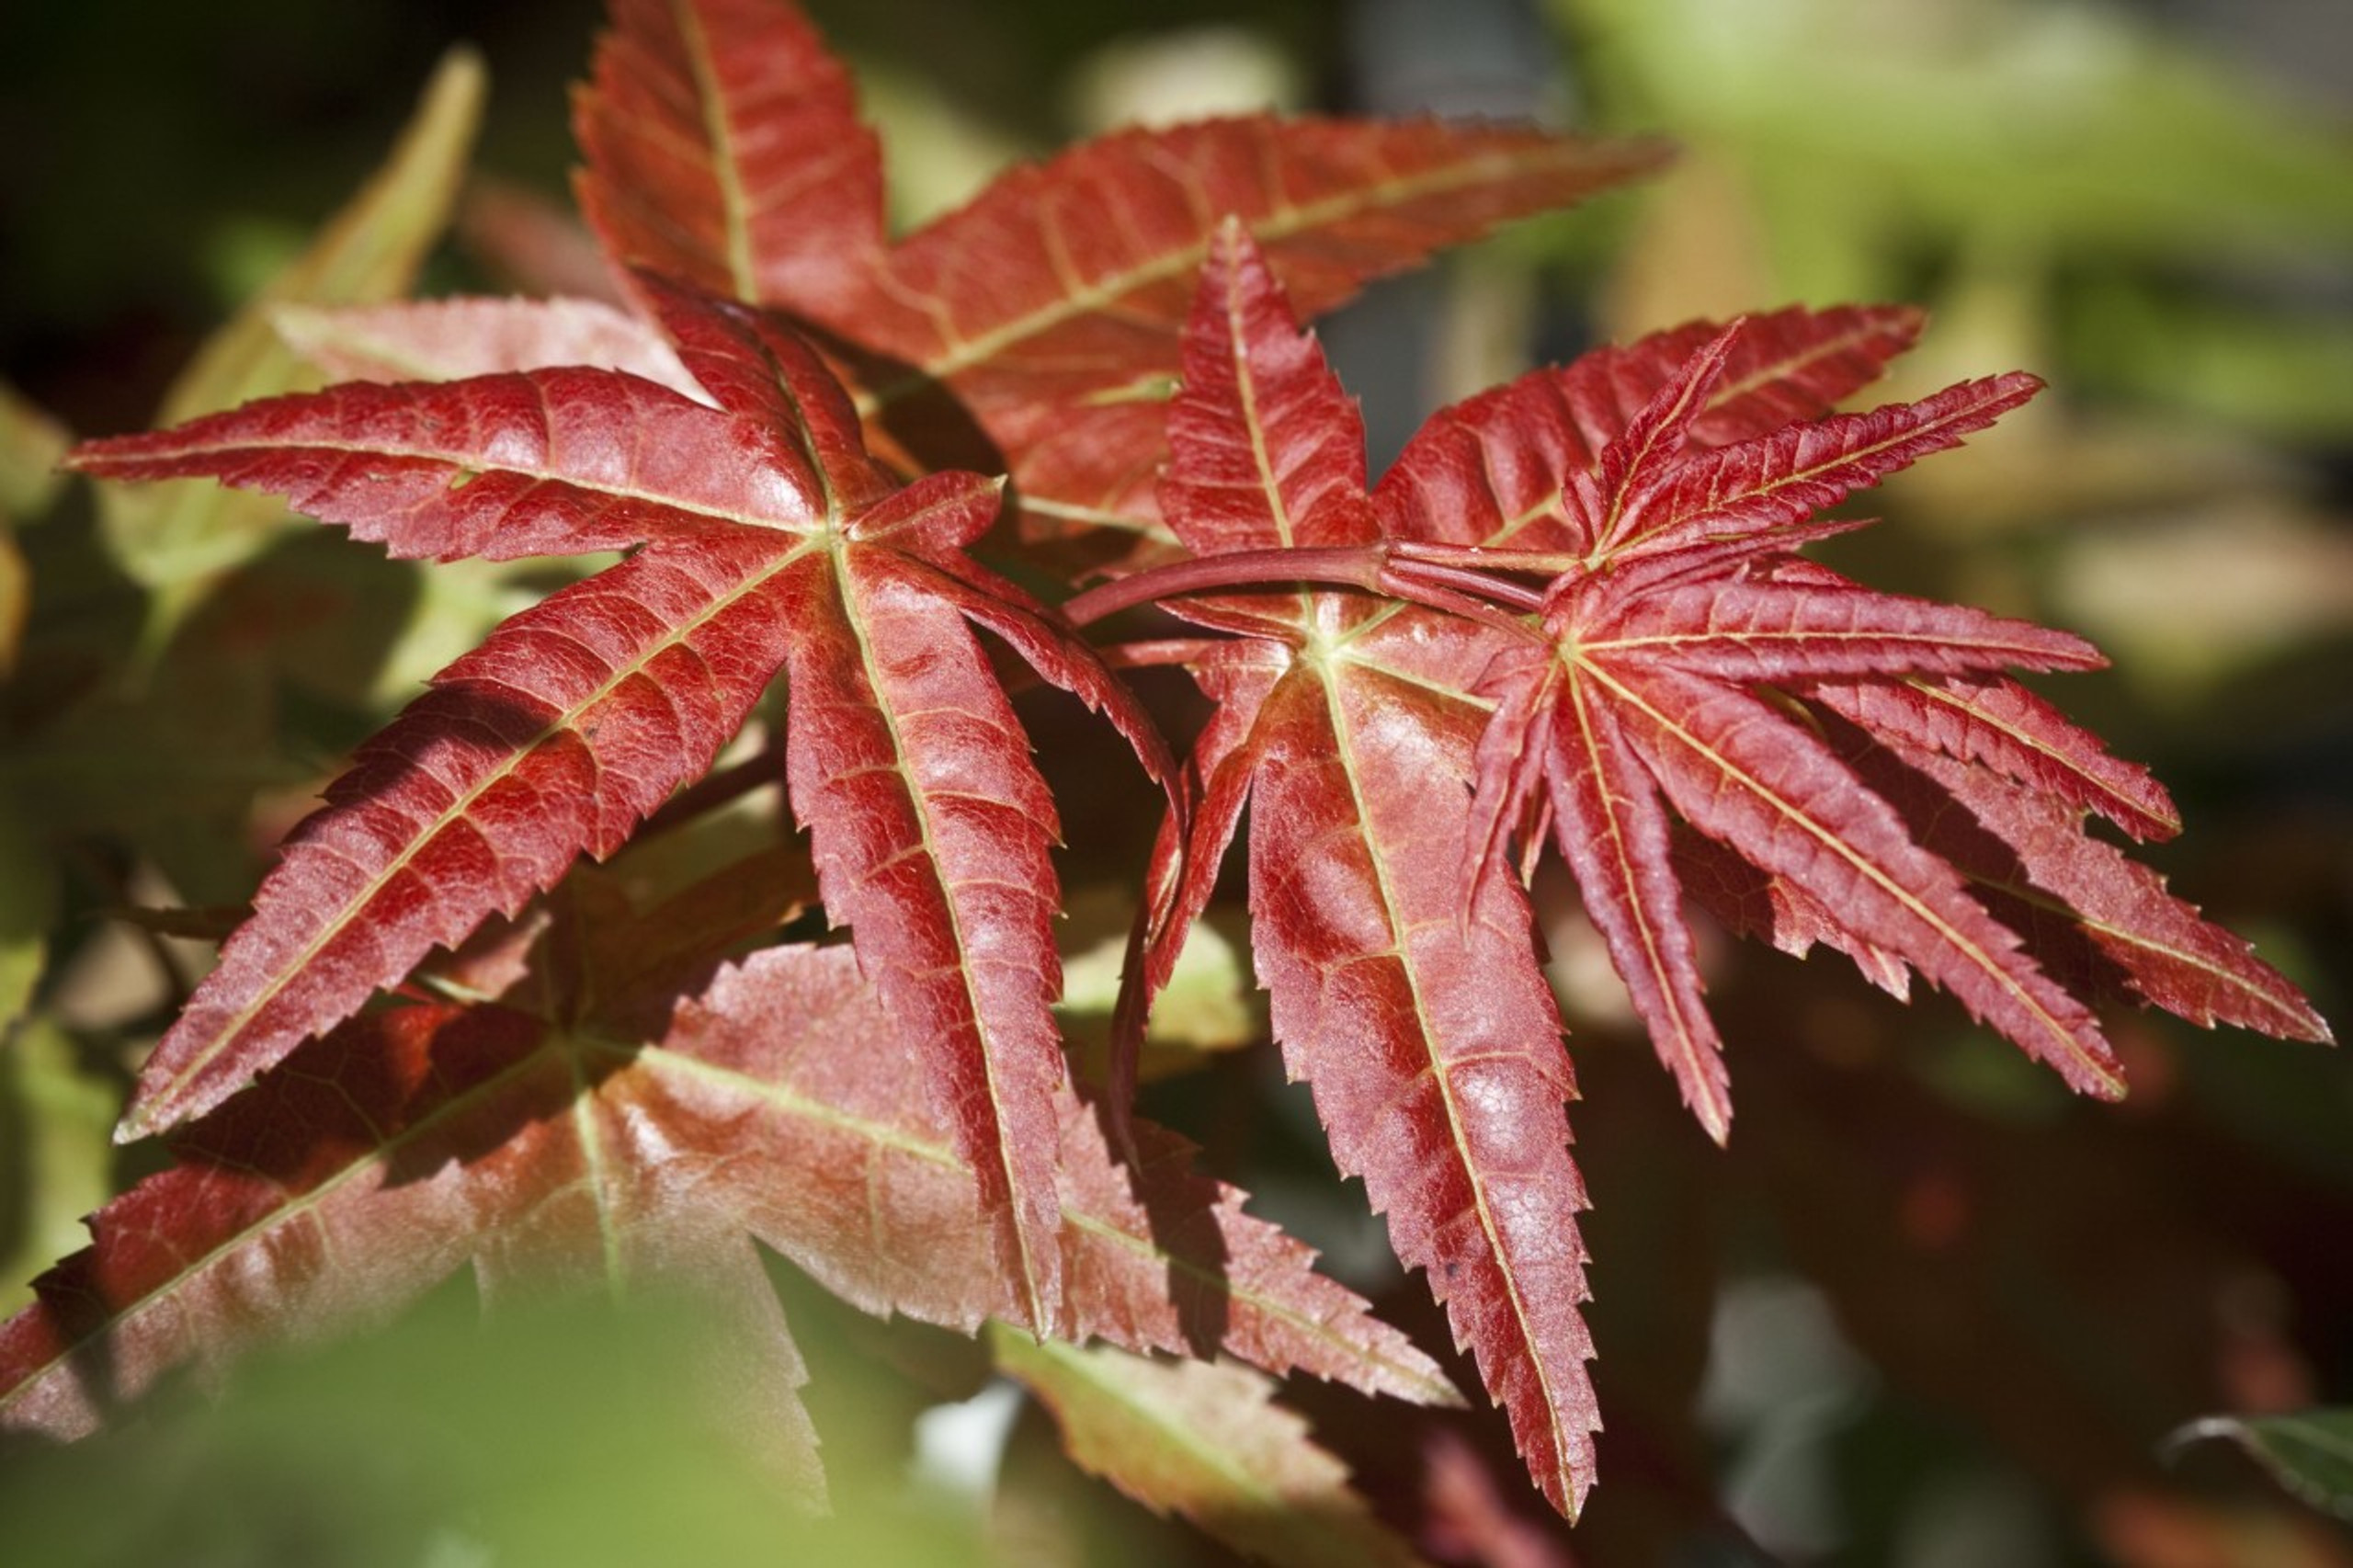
[
  {"x": 56, "y": 1129},
  {"x": 27, "y": 905},
  {"x": 1210, "y": 1004},
  {"x": 2310, "y": 1453},
  {"x": 1203, "y": 1440},
  {"x": 177, "y": 538},
  {"x": 30, "y": 444}
]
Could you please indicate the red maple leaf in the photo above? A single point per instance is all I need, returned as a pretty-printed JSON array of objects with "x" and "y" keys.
[
  {"x": 619, "y": 1135},
  {"x": 724, "y": 148},
  {"x": 1426, "y": 1031},
  {"x": 764, "y": 537},
  {"x": 1572, "y": 610},
  {"x": 1414, "y": 700}
]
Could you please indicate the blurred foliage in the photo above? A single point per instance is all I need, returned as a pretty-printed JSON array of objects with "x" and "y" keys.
[
  {"x": 548, "y": 1434},
  {"x": 2310, "y": 1452},
  {"x": 1987, "y": 1303}
]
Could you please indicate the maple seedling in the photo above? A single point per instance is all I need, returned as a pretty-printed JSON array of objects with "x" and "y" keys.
[{"x": 1573, "y": 613}]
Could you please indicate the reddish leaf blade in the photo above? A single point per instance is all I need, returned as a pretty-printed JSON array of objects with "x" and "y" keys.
[
  {"x": 1426, "y": 1032},
  {"x": 222, "y": 1253},
  {"x": 1061, "y": 656},
  {"x": 1785, "y": 366},
  {"x": 448, "y": 340},
  {"x": 931, "y": 831},
  {"x": 881, "y": 1209},
  {"x": 1051, "y": 305},
  {"x": 1058, "y": 254},
  {"x": 782, "y": 1105},
  {"x": 1509, "y": 765},
  {"x": 636, "y": 967},
  {"x": 1429, "y": 1037},
  {"x": 1753, "y": 903},
  {"x": 1493, "y": 469},
  {"x": 1161, "y": 1258},
  {"x": 2001, "y": 725},
  {"x": 1768, "y": 788},
  {"x": 533, "y": 241},
  {"x": 1614, "y": 833},
  {"x": 1267, "y": 450},
  {"x": 1057, "y": 653},
  {"x": 1767, "y": 483},
  {"x": 724, "y": 148},
  {"x": 1748, "y": 630},
  {"x": 1606, "y": 505},
  {"x": 555, "y": 737},
  {"x": 1266, "y": 453},
  {"x": 1206, "y": 1442},
  {"x": 1238, "y": 677},
  {"x": 2032, "y": 851},
  {"x": 762, "y": 372},
  {"x": 933, "y": 520},
  {"x": 547, "y": 462}
]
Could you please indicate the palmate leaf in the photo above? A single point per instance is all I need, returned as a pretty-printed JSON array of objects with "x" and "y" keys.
[
  {"x": 1673, "y": 614},
  {"x": 2005, "y": 727},
  {"x": 565, "y": 1139},
  {"x": 767, "y": 537},
  {"x": 1650, "y": 529},
  {"x": 1427, "y": 1033},
  {"x": 1494, "y": 470},
  {"x": 1570, "y": 611},
  {"x": 723, "y": 147},
  {"x": 1392, "y": 737}
]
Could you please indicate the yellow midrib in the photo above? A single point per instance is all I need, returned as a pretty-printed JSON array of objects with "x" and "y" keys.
[
  {"x": 1280, "y": 223},
  {"x": 732, "y": 203},
  {"x": 1982, "y": 961},
  {"x": 1015, "y": 1188},
  {"x": 567, "y": 720},
  {"x": 1562, "y": 1442}
]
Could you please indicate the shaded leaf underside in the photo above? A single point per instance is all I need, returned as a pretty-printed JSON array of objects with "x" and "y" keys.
[{"x": 783, "y": 1105}]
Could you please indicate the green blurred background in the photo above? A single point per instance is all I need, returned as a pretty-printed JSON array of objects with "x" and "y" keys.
[{"x": 1927, "y": 1310}]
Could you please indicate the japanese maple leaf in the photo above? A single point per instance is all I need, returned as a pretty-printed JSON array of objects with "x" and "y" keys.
[
  {"x": 763, "y": 537},
  {"x": 1675, "y": 626},
  {"x": 1642, "y": 694},
  {"x": 618, "y": 1134},
  {"x": 1033, "y": 331},
  {"x": 1391, "y": 736},
  {"x": 1428, "y": 1033},
  {"x": 723, "y": 147}
]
